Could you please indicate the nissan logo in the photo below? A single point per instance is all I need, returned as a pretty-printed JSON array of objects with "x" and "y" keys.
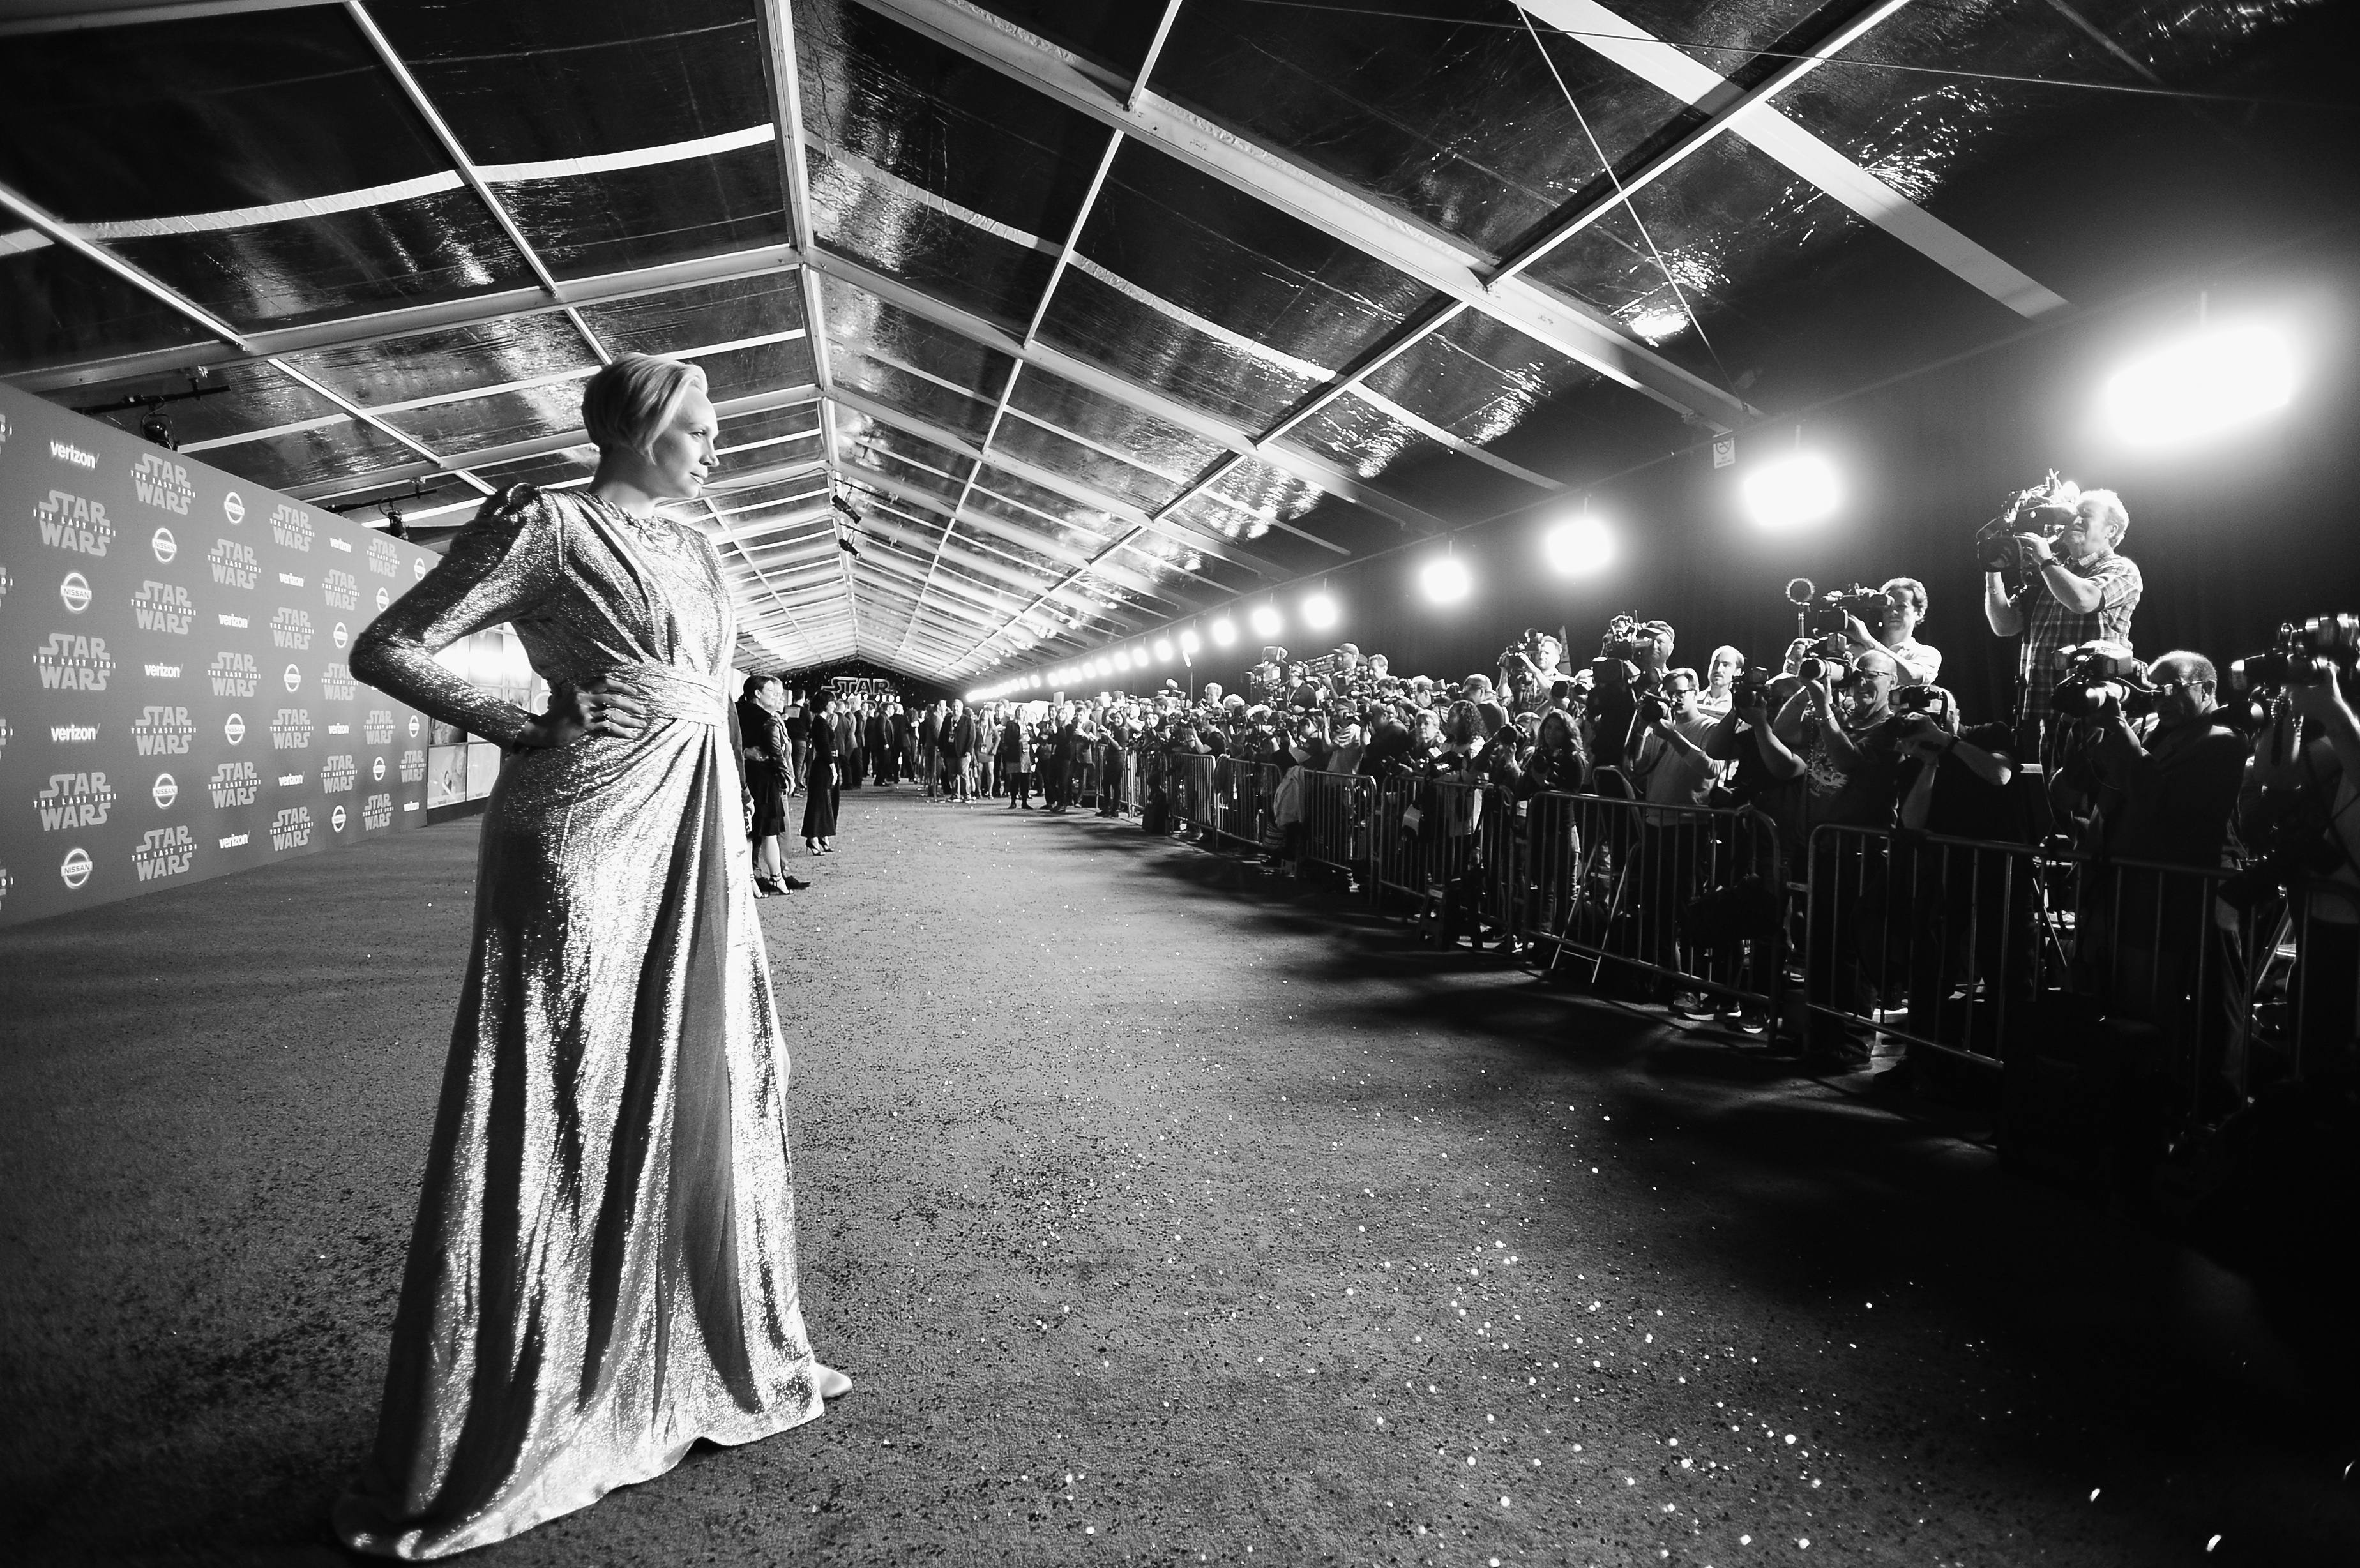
[
  {"x": 383, "y": 599},
  {"x": 74, "y": 593},
  {"x": 166, "y": 791},
  {"x": 234, "y": 508},
  {"x": 339, "y": 633},
  {"x": 234, "y": 729},
  {"x": 336, "y": 820},
  {"x": 294, "y": 679},
  {"x": 165, "y": 546},
  {"x": 376, "y": 768},
  {"x": 74, "y": 869}
]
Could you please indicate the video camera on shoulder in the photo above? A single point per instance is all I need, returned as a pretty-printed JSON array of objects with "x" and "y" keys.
[
  {"x": 2097, "y": 670},
  {"x": 2044, "y": 509},
  {"x": 2306, "y": 653},
  {"x": 1823, "y": 615}
]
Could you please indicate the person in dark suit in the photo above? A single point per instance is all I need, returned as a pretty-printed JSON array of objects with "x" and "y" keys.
[
  {"x": 820, "y": 779},
  {"x": 874, "y": 741},
  {"x": 958, "y": 745}
]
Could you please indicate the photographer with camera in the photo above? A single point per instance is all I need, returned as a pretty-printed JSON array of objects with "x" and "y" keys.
[
  {"x": 1967, "y": 915},
  {"x": 1671, "y": 767},
  {"x": 1895, "y": 629},
  {"x": 2077, "y": 589},
  {"x": 1837, "y": 726},
  {"x": 2170, "y": 785},
  {"x": 2308, "y": 754}
]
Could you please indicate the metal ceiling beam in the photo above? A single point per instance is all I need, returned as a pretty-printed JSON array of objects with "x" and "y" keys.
[
  {"x": 787, "y": 103},
  {"x": 64, "y": 234},
  {"x": 442, "y": 134},
  {"x": 365, "y": 327},
  {"x": 1320, "y": 472},
  {"x": 75, "y": 16},
  {"x": 1020, "y": 578},
  {"x": 1041, "y": 544},
  {"x": 1050, "y": 479},
  {"x": 1720, "y": 118},
  {"x": 1441, "y": 261},
  {"x": 1066, "y": 254},
  {"x": 1675, "y": 71}
]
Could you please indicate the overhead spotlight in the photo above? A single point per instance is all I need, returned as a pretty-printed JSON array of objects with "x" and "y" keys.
[
  {"x": 1579, "y": 546},
  {"x": 1319, "y": 612},
  {"x": 1225, "y": 632},
  {"x": 2216, "y": 380},
  {"x": 1163, "y": 650},
  {"x": 1264, "y": 620},
  {"x": 1122, "y": 659},
  {"x": 1104, "y": 667},
  {"x": 1190, "y": 642},
  {"x": 1790, "y": 492},
  {"x": 1446, "y": 580}
]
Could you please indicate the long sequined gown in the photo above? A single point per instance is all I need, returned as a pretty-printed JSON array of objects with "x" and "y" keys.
[{"x": 604, "y": 1266}]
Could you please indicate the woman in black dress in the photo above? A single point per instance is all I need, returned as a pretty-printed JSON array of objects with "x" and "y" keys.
[
  {"x": 763, "y": 736},
  {"x": 820, "y": 778}
]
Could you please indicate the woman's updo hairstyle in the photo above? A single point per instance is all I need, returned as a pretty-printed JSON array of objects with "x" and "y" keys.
[{"x": 631, "y": 402}]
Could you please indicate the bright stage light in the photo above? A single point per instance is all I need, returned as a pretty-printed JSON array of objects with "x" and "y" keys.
[
  {"x": 1579, "y": 546},
  {"x": 1103, "y": 668},
  {"x": 1225, "y": 631},
  {"x": 1792, "y": 491},
  {"x": 2199, "y": 386},
  {"x": 1319, "y": 612},
  {"x": 1446, "y": 580},
  {"x": 1122, "y": 659},
  {"x": 1163, "y": 650},
  {"x": 1264, "y": 620},
  {"x": 1190, "y": 642}
]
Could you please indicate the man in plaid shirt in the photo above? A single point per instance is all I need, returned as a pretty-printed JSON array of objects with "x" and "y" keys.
[{"x": 2079, "y": 591}]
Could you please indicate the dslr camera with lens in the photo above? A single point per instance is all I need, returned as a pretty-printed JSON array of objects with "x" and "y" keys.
[
  {"x": 2097, "y": 670},
  {"x": 2306, "y": 653}
]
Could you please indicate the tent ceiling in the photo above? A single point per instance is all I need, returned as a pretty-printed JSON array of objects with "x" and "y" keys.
[{"x": 1101, "y": 311}]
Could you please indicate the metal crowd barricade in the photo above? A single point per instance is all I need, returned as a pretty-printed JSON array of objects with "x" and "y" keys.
[
  {"x": 1429, "y": 841},
  {"x": 2004, "y": 954},
  {"x": 1336, "y": 815},
  {"x": 1670, "y": 897}
]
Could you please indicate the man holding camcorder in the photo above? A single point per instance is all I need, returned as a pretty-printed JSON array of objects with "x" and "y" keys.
[{"x": 2077, "y": 589}]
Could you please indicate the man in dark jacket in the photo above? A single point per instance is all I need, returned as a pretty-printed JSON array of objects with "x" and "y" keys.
[
  {"x": 957, "y": 745},
  {"x": 930, "y": 748}
]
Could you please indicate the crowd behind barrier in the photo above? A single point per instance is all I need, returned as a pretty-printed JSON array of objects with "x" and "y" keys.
[{"x": 2125, "y": 912}]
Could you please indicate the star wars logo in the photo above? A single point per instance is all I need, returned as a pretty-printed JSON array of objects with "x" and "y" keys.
[
  {"x": 290, "y": 729},
  {"x": 163, "y": 851},
  {"x": 234, "y": 784},
  {"x": 292, "y": 828},
  {"x": 336, "y": 775},
  {"x": 376, "y": 812},
  {"x": 74, "y": 800},
  {"x": 291, "y": 526},
  {"x": 163, "y": 732},
  {"x": 70, "y": 663},
  {"x": 235, "y": 674},
  {"x": 234, "y": 565},
  {"x": 413, "y": 764},
  {"x": 336, "y": 683},
  {"x": 161, "y": 483},
  {"x": 292, "y": 628},
  {"x": 343, "y": 589},
  {"x": 163, "y": 607},
  {"x": 377, "y": 728},
  {"x": 383, "y": 558},
  {"x": 73, "y": 522}
]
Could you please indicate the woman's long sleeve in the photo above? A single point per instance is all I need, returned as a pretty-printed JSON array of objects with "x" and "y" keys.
[{"x": 500, "y": 566}]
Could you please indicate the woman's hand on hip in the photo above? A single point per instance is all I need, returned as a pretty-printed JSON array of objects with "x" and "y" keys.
[{"x": 600, "y": 707}]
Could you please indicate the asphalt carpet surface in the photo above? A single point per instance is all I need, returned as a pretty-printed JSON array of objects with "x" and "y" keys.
[{"x": 1164, "y": 1213}]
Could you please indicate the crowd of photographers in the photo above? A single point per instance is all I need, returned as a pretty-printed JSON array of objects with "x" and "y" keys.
[{"x": 2115, "y": 759}]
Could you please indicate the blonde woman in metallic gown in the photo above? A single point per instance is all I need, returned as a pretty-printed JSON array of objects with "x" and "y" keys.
[{"x": 604, "y": 1266}]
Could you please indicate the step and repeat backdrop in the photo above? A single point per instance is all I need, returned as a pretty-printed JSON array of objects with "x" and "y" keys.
[{"x": 174, "y": 698}]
